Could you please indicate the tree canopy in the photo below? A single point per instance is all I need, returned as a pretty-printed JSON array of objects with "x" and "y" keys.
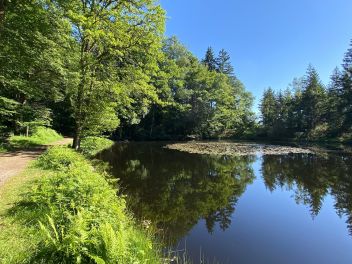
[
  {"x": 310, "y": 110},
  {"x": 95, "y": 67}
]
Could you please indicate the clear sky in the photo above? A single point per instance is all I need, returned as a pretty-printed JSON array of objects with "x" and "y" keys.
[{"x": 270, "y": 41}]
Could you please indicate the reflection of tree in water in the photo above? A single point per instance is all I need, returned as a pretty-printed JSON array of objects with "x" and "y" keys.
[
  {"x": 312, "y": 177},
  {"x": 176, "y": 189}
]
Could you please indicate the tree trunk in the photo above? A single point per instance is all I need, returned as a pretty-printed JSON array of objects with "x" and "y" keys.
[
  {"x": 77, "y": 139},
  {"x": 152, "y": 124},
  {"x": 27, "y": 131},
  {"x": 2, "y": 10}
]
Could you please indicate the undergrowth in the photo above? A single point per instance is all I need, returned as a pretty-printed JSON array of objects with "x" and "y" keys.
[
  {"x": 91, "y": 146},
  {"x": 40, "y": 136},
  {"x": 75, "y": 216}
]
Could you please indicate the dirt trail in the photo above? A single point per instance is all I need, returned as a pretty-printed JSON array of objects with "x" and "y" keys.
[{"x": 11, "y": 163}]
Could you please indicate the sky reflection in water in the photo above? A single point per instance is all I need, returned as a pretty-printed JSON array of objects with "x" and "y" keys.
[{"x": 252, "y": 209}]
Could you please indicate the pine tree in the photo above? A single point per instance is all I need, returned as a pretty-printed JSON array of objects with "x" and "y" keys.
[
  {"x": 346, "y": 97},
  {"x": 268, "y": 108},
  {"x": 223, "y": 63},
  {"x": 334, "y": 101},
  {"x": 2, "y": 10},
  {"x": 313, "y": 99},
  {"x": 209, "y": 59}
]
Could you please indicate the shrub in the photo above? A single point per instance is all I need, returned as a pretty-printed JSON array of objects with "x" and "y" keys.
[
  {"x": 59, "y": 158},
  {"x": 3, "y": 148},
  {"x": 91, "y": 146},
  {"x": 319, "y": 132}
]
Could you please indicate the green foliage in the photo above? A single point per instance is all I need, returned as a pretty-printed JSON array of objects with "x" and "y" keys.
[
  {"x": 3, "y": 148},
  {"x": 196, "y": 100},
  {"x": 209, "y": 59},
  {"x": 80, "y": 217},
  {"x": 310, "y": 111},
  {"x": 91, "y": 146},
  {"x": 40, "y": 136},
  {"x": 32, "y": 44},
  {"x": 58, "y": 158},
  {"x": 223, "y": 64},
  {"x": 116, "y": 46}
]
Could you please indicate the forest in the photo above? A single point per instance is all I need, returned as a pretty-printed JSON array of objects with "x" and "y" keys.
[
  {"x": 105, "y": 68},
  {"x": 89, "y": 68},
  {"x": 310, "y": 110}
]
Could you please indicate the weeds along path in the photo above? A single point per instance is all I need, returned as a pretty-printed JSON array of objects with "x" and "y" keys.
[{"x": 13, "y": 162}]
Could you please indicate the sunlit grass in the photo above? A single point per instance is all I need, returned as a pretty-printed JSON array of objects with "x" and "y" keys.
[
  {"x": 63, "y": 211},
  {"x": 90, "y": 146},
  {"x": 40, "y": 136}
]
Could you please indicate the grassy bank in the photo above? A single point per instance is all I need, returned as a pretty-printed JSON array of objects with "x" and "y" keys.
[
  {"x": 62, "y": 210},
  {"x": 40, "y": 136},
  {"x": 91, "y": 146}
]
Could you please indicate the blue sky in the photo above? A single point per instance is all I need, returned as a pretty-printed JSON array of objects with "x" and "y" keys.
[{"x": 270, "y": 41}]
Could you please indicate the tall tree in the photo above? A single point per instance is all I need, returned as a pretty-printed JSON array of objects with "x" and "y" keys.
[
  {"x": 313, "y": 100},
  {"x": 2, "y": 10},
  {"x": 346, "y": 82},
  {"x": 33, "y": 53},
  {"x": 334, "y": 101},
  {"x": 268, "y": 107},
  {"x": 117, "y": 43},
  {"x": 224, "y": 64},
  {"x": 209, "y": 59}
]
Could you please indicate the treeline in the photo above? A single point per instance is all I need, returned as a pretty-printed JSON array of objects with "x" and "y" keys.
[
  {"x": 77, "y": 65},
  {"x": 89, "y": 67},
  {"x": 198, "y": 99},
  {"x": 308, "y": 110}
]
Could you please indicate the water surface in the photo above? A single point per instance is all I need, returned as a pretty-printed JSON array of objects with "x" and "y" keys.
[{"x": 292, "y": 208}]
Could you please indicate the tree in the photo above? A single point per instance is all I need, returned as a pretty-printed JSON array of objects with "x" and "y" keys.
[
  {"x": 334, "y": 101},
  {"x": 223, "y": 63},
  {"x": 313, "y": 100},
  {"x": 194, "y": 101},
  {"x": 209, "y": 59},
  {"x": 2, "y": 10},
  {"x": 268, "y": 108},
  {"x": 116, "y": 43},
  {"x": 346, "y": 97},
  {"x": 33, "y": 69}
]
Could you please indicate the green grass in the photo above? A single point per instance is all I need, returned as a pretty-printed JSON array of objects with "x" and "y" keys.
[
  {"x": 40, "y": 136},
  {"x": 64, "y": 211},
  {"x": 17, "y": 238},
  {"x": 3, "y": 148},
  {"x": 91, "y": 146}
]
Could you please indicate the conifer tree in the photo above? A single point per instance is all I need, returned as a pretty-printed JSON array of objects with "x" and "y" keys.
[
  {"x": 209, "y": 59},
  {"x": 223, "y": 63},
  {"x": 346, "y": 97},
  {"x": 313, "y": 99},
  {"x": 268, "y": 107}
]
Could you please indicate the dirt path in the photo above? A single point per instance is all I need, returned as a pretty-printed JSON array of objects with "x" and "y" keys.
[{"x": 11, "y": 163}]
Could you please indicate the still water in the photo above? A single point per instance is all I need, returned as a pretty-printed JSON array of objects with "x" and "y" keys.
[{"x": 293, "y": 208}]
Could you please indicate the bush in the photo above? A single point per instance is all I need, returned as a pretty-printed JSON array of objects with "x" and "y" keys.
[
  {"x": 3, "y": 148},
  {"x": 81, "y": 218},
  {"x": 40, "y": 136},
  {"x": 91, "y": 146},
  {"x": 59, "y": 158},
  {"x": 319, "y": 132}
]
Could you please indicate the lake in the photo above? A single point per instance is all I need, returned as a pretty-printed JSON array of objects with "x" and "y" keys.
[{"x": 294, "y": 208}]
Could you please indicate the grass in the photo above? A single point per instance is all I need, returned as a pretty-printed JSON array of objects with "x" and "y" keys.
[
  {"x": 91, "y": 146},
  {"x": 16, "y": 237},
  {"x": 64, "y": 211},
  {"x": 40, "y": 136},
  {"x": 3, "y": 148}
]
